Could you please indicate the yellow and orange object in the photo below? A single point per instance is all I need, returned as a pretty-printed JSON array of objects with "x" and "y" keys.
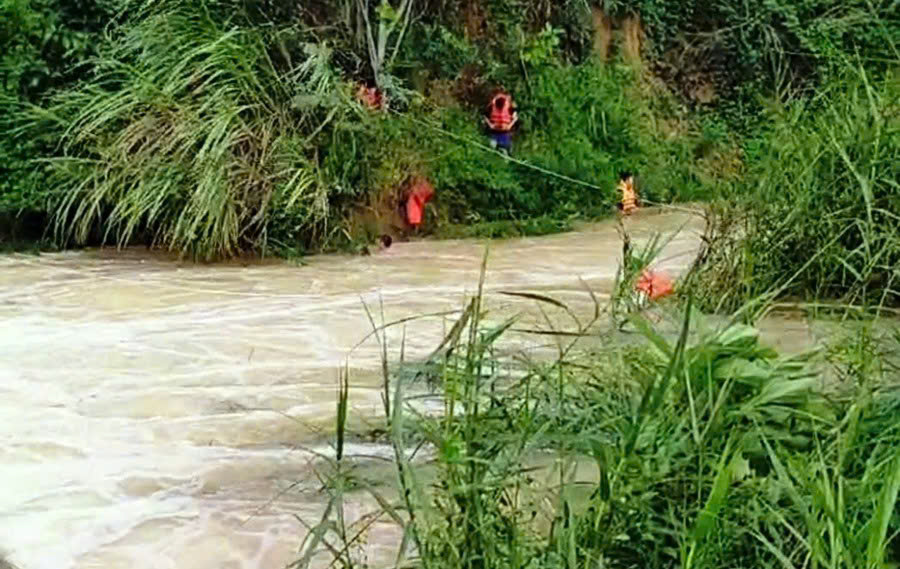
[
  {"x": 629, "y": 201},
  {"x": 420, "y": 193}
]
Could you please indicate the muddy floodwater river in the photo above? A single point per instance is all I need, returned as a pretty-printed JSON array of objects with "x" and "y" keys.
[{"x": 152, "y": 411}]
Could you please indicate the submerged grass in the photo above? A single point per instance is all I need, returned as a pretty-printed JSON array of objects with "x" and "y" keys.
[
  {"x": 531, "y": 227},
  {"x": 690, "y": 445}
]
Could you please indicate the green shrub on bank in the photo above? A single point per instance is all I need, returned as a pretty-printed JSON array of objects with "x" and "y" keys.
[
  {"x": 44, "y": 45},
  {"x": 817, "y": 213},
  {"x": 189, "y": 133}
]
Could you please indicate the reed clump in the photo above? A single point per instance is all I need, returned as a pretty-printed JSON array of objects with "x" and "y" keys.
[{"x": 685, "y": 443}]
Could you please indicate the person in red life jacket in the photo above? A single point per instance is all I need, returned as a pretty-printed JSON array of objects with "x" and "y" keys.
[
  {"x": 370, "y": 96},
  {"x": 420, "y": 193},
  {"x": 501, "y": 118}
]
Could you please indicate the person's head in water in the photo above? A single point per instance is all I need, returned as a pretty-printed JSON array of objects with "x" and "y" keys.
[{"x": 386, "y": 241}]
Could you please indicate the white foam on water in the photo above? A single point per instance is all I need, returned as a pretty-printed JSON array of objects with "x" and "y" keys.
[{"x": 151, "y": 410}]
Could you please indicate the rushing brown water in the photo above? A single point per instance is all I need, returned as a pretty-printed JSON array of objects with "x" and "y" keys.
[{"x": 152, "y": 410}]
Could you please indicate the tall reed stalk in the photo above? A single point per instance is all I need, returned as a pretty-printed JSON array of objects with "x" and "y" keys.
[{"x": 690, "y": 444}]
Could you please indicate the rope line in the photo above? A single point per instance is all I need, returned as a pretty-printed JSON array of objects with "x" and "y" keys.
[
  {"x": 498, "y": 153},
  {"x": 520, "y": 162}
]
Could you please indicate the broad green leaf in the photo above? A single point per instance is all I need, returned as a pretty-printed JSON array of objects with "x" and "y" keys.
[
  {"x": 738, "y": 333},
  {"x": 742, "y": 370},
  {"x": 780, "y": 390}
]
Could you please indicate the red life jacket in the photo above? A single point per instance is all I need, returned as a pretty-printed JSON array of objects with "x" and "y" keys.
[
  {"x": 419, "y": 195},
  {"x": 501, "y": 119},
  {"x": 370, "y": 97}
]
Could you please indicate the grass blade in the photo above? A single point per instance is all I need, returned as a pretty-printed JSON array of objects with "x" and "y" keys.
[{"x": 878, "y": 528}]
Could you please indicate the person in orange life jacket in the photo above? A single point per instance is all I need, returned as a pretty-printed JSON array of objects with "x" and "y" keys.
[
  {"x": 420, "y": 193},
  {"x": 370, "y": 96},
  {"x": 629, "y": 202},
  {"x": 501, "y": 118}
]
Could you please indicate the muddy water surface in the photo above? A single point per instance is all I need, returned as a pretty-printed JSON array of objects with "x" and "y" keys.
[{"x": 151, "y": 410}]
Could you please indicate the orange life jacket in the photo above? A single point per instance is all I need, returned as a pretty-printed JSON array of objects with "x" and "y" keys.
[
  {"x": 420, "y": 194},
  {"x": 501, "y": 119},
  {"x": 370, "y": 97},
  {"x": 629, "y": 196}
]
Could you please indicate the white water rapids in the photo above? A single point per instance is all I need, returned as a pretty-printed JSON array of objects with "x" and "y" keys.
[{"x": 151, "y": 409}]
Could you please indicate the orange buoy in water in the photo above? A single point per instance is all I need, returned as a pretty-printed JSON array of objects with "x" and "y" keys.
[
  {"x": 655, "y": 284},
  {"x": 420, "y": 194}
]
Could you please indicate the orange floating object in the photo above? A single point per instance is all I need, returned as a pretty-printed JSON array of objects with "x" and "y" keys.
[
  {"x": 419, "y": 195},
  {"x": 655, "y": 284}
]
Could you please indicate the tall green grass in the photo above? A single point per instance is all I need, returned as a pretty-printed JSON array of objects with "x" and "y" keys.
[
  {"x": 818, "y": 209},
  {"x": 208, "y": 130},
  {"x": 693, "y": 448},
  {"x": 192, "y": 128}
]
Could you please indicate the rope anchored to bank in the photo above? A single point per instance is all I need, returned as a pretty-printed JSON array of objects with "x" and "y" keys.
[{"x": 470, "y": 142}]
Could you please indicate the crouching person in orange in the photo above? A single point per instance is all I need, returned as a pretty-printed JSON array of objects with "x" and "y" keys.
[
  {"x": 370, "y": 97},
  {"x": 420, "y": 193},
  {"x": 501, "y": 117}
]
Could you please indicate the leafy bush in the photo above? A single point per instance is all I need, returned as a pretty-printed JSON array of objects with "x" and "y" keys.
[
  {"x": 702, "y": 448},
  {"x": 777, "y": 45},
  {"x": 44, "y": 44},
  {"x": 190, "y": 131},
  {"x": 817, "y": 210}
]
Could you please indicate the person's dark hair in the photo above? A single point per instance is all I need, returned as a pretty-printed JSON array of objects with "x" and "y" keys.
[
  {"x": 623, "y": 176},
  {"x": 387, "y": 241},
  {"x": 500, "y": 102}
]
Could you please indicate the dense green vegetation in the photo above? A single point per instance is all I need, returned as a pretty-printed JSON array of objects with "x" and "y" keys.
[
  {"x": 43, "y": 45},
  {"x": 217, "y": 127},
  {"x": 688, "y": 445},
  {"x": 817, "y": 213},
  {"x": 224, "y": 126}
]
